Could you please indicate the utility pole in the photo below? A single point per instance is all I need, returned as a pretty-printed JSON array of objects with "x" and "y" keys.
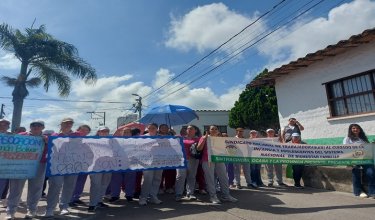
[
  {"x": 138, "y": 105},
  {"x": 97, "y": 116},
  {"x": 2, "y": 113}
]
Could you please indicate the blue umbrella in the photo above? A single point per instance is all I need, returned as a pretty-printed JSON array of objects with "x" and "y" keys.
[{"x": 170, "y": 115}]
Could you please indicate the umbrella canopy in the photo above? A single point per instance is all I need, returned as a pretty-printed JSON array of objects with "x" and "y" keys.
[
  {"x": 170, "y": 115},
  {"x": 120, "y": 129}
]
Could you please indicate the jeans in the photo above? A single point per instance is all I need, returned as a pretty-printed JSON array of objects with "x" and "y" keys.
[
  {"x": 246, "y": 172},
  {"x": 255, "y": 174},
  {"x": 278, "y": 168},
  {"x": 99, "y": 183},
  {"x": 57, "y": 184},
  {"x": 369, "y": 171},
  {"x": 151, "y": 183},
  {"x": 80, "y": 184},
  {"x": 187, "y": 175},
  {"x": 123, "y": 178},
  {"x": 210, "y": 169},
  {"x": 230, "y": 171}
]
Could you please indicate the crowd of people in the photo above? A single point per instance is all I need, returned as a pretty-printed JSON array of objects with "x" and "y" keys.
[{"x": 214, "y": 179}]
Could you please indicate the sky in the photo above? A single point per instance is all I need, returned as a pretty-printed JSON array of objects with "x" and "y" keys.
[{"x": 168, "y": 52}]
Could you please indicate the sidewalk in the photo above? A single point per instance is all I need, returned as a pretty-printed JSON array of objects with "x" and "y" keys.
[{"x": 263, "y": 203}]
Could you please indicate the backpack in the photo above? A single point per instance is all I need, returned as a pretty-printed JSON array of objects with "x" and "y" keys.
[{"x": 194, "y": 152}]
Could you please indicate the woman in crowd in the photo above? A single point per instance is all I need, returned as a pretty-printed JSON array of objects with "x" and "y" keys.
[
  {"x": 63, "y": 184},
  {"x": 151, "y": 178},
  {"x": 35, "y": 185},
  {"x": 84, "y": 130},
  {"x": 99, "y": 181},
  {"x": 189, "y": 174},
  {"x": 356, "y": 135},
  {"x": 256, "y": 178},
  {"x": 126, "y": 179},
  {"x": 297, "y": 168},
  {"x": 168, "y": 179},
  {"x": 278, "y": 168},
  {"x": 214, "y": 168}
]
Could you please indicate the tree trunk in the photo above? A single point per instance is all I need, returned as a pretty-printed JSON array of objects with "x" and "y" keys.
[{"x": 19, "y": 94}]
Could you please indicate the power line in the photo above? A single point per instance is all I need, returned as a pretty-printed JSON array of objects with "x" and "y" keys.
[
  {"x": 241, "y": 51},
  {"x": 66, "y": 100},
  {"x": 212, "y": 52}
]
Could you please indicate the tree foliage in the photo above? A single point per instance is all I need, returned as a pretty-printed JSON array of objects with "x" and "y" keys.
[
  {"x": 256, "y": 109},
  {"x": 44, "y": 61}
]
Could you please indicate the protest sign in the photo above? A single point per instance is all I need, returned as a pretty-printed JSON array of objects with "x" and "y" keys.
[
  {"x": 73, "y": 155},
  {"x": 19, "y": 156},
  {"x": 268, "y": 151}
]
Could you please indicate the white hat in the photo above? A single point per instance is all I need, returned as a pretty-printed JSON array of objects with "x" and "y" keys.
[
  {"x": 67, "y": 120},
  {"x": 296, "y": 135},
  {"x": 102, "y": 128},
  {"x": 269, "y": 130},
  {"x": 253, "y": 131},
  {"x": 4, "y": 120}
]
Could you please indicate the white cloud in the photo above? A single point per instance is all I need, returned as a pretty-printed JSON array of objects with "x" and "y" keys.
[
  {"x": 206, "y": 27},
  {"x": 9, "y": 61},
  {"x": 302, "y": 38}
]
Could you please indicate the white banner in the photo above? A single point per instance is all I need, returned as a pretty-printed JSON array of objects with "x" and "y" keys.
[{"x": 73, "y": 155}]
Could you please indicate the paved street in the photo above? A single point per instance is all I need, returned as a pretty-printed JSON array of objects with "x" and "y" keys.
[{"x": 264, "y": 203}]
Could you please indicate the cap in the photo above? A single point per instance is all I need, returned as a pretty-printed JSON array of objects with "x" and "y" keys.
[
  {"x": 253, "y": 131},
  {"x": 4, "y": 120},
  {"x": 239, "y": 129},
  {"x": 102, "y": 128},
  {"x": 296, "y": 135},
  {"x": 48, "y": 132},
  {"x": 67, "y": 120},
  {"x": 270, "y": 130},
  {"x": 37, "y": 122}
]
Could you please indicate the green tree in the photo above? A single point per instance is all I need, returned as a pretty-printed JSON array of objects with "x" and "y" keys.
[
  {"x": 256, "y": 108},
  {"x": 44, "y": 60}
]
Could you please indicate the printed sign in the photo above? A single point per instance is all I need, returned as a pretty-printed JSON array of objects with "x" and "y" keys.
[
  {"x": 269, "y": 151},
  {"x": 73, "y": 155},
  {"x": 19, "y": 156}
]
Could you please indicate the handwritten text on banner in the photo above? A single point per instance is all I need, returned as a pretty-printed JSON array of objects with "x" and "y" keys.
[
  {"x": 19, "y": 156},
  {"x": 72, "y": 155},
  {"x": 269, "y": 151}
]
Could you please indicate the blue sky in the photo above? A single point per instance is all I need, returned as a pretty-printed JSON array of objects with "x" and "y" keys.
[{"x": 137, "y": 46}]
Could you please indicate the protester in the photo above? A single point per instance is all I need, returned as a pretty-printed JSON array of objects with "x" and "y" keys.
[
  {"x": 356, "y": 135},
  {"x": 168, "y": 179},
  {"x": 189, "y": 174},
  {"x": 81, "y": 179},
  {"x": 297, "y": 168},
  {"x": 293, "y": 126},
  {"x": 278, "y": 168},
  {"x": 4, "y": 126},
  {"x": 214, "y": 168},
  {"x": 151, "y": 178},
  {"x": 64, "y": 184},
  {"x": 99, "y": 181},
  {"x": 256, "y": 179},
  {"x": 46, "y": 133},
  {"x": 237, "y": 166},
  {"x": 125, "y": 179},
  {"x": 19, "y": 130},
  {"x": 35, "y": 185}
]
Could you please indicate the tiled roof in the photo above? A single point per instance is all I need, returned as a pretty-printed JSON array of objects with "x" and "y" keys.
[{"x": 332, "y": 50}]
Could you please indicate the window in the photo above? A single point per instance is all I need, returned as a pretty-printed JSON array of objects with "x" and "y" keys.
[{"x": 352, "y": 95}]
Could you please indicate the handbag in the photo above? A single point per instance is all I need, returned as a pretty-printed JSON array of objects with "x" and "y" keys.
[{"x": 194, "y": 152}]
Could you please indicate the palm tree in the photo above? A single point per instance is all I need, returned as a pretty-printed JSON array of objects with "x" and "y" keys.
[{"x": 44, "y": 60}]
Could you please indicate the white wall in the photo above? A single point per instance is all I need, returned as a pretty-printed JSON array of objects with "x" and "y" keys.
[
  {"x": 210, "y": 118},
  {"x": 301, "y": 94}
]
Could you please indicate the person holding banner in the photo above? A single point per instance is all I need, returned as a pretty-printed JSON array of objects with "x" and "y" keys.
[
  {"x": 189, "y": 174},
  {"x": 278, "y": 168},
  {"x": 99, "y": 181},
  {"x": 35, "y": 185},
  {"x": 256, "y": 178},
  {"x": 210, "y": 169},
  {"x": 63, "y": 184},
  {"x": 151, "y": 178},
  {"x": 81, "y": 179},
  {"x": 126, "y": 179},
  {"x": 356, "y": 135},
  {"x": 4, "y": 126},
  {"x": 297, "y": 168},
  {"x": 237, "y": 166}
]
